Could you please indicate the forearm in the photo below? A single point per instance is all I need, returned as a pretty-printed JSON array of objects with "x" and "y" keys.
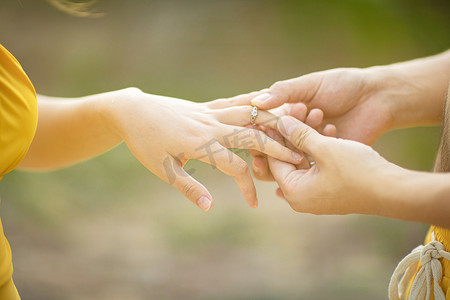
[
  {"x": 414, "y": 196},
  {"x": 416, "y": 89},
  {"x": 71, "y": 130}
]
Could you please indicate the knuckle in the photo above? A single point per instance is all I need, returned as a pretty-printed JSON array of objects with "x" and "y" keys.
[
  {"x": 281, "y": 88},
  {"x": 213, "y": 103},
  {"x": 133, "y": 91},
  {"x": 244, "y": 109},
  {"x": 241, "y": 167},
  {"x": 204, "y": 141},
  {"x": 252, "y": 134},
  {"x": 260, "y": 174},
  {"x": 188, "y": 189},
  {"x": 300, "y": 137},
  {"x": 303, "y": 140}
]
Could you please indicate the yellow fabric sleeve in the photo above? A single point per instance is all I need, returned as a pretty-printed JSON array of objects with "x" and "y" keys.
[
  {"x": 18, "y": 112},
  {"x": 18, "y": 121}
]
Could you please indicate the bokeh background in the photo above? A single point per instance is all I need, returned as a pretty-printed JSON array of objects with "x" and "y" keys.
[{"x": 109, "y": 229}]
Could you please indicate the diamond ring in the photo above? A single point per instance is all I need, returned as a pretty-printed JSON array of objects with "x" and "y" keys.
[{"x": 253, "y": 115}]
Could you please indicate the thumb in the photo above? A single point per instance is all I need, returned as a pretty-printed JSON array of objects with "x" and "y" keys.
[
  {"x": 301, "y": 136},
  {"x": 301, "y": 89}
]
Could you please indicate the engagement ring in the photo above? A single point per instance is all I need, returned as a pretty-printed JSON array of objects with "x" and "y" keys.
[{"x": 253, "y": 115}]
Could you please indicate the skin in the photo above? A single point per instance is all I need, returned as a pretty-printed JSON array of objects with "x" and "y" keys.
[
  {"x": 313, "y": 118},
  {"x": 365, "y": 103},
  {"x": 350, "y": 177},
  {"x": 163, "y": 133}
]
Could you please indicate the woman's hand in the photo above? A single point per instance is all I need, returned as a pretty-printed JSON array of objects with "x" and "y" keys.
[{"x": 164, "y": 133}]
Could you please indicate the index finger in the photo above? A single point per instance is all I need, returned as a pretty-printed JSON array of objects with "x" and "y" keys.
[
  {"x": 245, "y": 138},
  {"x": 244, "y": 99}
]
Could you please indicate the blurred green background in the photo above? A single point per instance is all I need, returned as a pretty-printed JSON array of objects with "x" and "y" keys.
[{"x": 108, "y": 229}]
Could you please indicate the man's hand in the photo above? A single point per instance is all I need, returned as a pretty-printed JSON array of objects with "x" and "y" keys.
[
  {"x": 347, "y": 97},
  {"x": 344, "y": 179},
  {"x": 350, "y": 177}
]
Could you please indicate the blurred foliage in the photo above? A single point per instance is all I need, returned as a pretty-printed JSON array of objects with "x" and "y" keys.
[{"x": 107, "y": 229}]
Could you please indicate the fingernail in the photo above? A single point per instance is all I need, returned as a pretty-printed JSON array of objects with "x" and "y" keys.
[
  {"x": 297, "y": 156},
  {"x": 257, "y": 101},
  {"x": 287, "y": 125},
  {"x": 204, "y": 203}
]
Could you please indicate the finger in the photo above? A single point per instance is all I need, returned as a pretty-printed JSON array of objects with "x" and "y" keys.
[
  {"x": 232, "y": 165},
  {"x": 301, "y": 89},
  {"x": 175, "y": 175},
  {"x": 329, "y": 130},
  {"x": 255, "y": 153},
  {"x": 245, "y": 138},
  {"x": 241, "y": 116},
  {"x": 281, "y": 171},
  {"x": 280, "y": 193},
  {"x": 298, "y": 111},
  {"x": 314, "y": 118},
  {"x": 282, "y": 110},
  {"x": 244, "y": 99},
  {"x": 280, "y": 139},
  {"x": 303, "y": 137},
  {"x": 260, "y": 168},
  {"x": 286, "y": 175}
]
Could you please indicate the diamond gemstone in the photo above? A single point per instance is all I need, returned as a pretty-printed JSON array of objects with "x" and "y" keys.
[{"x": 254, "y": 112}]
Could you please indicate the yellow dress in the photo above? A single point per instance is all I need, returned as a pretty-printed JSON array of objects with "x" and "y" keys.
[
  {"x": 442, "y": 235},
  {"x": 18, "y": 121}
]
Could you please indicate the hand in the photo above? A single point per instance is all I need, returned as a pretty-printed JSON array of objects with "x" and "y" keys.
[
  {"x": 345, "y": 178},
  {"x": 313, "y": 118},
  {"x": 351, "y": 99},
  {"x": 164, "y": 133}
]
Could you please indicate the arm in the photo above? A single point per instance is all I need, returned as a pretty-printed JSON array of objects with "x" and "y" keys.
[
  {"x": 365, "y": 103},
  {"x": 415, "y": 90},
  {"x": 71, "y": 130},
  {"x": 162, "y": 132},
  {"x": 415, "y": 196},
  {"x": 349, "y": 177}
]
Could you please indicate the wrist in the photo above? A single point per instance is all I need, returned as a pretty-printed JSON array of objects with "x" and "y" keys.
[
  {"x": 400, "y": 96},
  {"x": 392, "y": 193},
  {"x": 114, "y": 108},
  {"x": 414, "y": 91},
  {"x": 413, "y": 195}
]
